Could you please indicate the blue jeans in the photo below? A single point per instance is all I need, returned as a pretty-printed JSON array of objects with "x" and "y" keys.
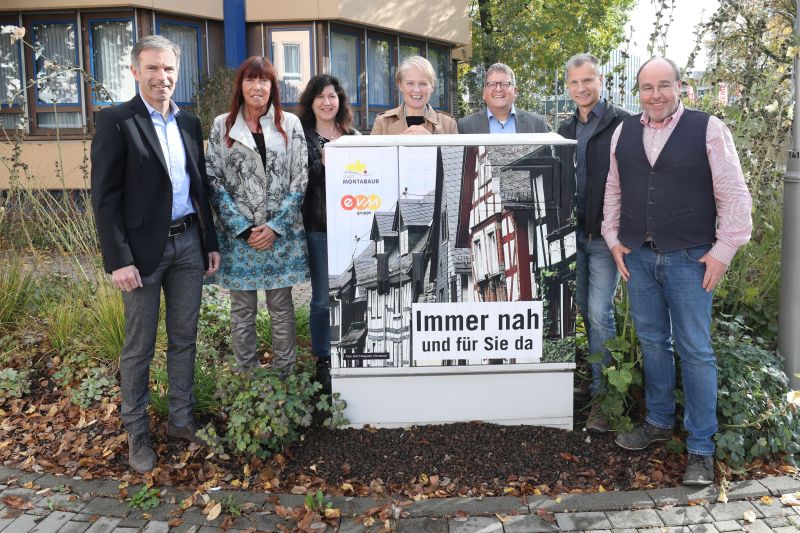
[
  {"x": 668, "y": 300},
  {"x": 596, "y": 284},
  {"x": 319, "y": 316}
]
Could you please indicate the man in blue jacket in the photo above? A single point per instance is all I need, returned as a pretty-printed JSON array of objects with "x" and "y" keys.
[{"x": 592, "y": 125}]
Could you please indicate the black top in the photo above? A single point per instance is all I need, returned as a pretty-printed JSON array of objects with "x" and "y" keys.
[
  {"x": 262, "y": 147},
  {"x": 415, "y": 121},
  {"x": 314, "y": 203}
]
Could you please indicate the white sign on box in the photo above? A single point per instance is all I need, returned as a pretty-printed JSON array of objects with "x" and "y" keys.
[{"x": 493, "y": 330}]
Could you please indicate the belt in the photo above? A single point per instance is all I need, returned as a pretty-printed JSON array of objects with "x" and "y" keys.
[{"x": 182, "y": 224}]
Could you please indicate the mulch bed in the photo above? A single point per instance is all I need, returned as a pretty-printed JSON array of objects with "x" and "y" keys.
[{"x": 46, "y": 433}]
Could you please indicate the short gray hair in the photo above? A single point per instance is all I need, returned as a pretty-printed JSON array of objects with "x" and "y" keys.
[
  {"x": 670, "y": 62},
  {"x": 501, "y": 67},
  {"x": 579, "y": 60},
  {"x": 154, "y": 42},
  {"x": 419, "y": 63}
]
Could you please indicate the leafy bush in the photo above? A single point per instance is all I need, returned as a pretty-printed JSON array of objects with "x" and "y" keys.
[
  {"x": 755, "y": 418},
  {"x": 214, "y": 323},
  {"x": 206, "y": 374},
  {"x": 13, "y": 384},
  {"x": 73, "y": 367},
  {"x": 262, "y": 413},
  {"x": 16, "y": 292},
  {"x": 92, "y": 388},
  {"x": 559, "y": 350}
]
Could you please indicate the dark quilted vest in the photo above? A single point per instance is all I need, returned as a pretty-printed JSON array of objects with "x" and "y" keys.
[{"x": 673, "y": 200}]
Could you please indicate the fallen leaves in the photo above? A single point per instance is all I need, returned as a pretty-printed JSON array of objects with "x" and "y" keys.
[{"x": 17, "y": 502}]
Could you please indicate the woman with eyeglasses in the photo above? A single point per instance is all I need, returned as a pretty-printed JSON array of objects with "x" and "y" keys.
[
  {"x": 416, "y": 81},
  {"x": 325, "y": 115}
]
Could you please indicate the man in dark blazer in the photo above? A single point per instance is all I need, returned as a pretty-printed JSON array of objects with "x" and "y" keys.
[
  {"x": 156, "y": 232},
  {"x": 592, "y": 125},
  {"x": 500, "y": 115}
]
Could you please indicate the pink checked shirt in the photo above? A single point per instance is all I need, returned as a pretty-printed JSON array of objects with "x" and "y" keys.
[{"x": 734, "y": 203}]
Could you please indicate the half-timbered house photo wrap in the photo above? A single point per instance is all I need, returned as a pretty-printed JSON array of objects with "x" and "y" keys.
[{"x": 421, "y": 239}]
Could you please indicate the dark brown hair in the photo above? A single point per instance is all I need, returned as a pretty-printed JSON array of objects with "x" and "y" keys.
[
  {"x": 255, "y": 67},
  {"x": 344, "y": 116}
]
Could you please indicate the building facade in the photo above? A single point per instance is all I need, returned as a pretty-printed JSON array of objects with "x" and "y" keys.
[{"x": 358, "y": 41}]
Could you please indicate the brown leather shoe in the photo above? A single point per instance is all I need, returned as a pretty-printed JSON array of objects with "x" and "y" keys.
[
  {"x": 187, "y": 432},
  {"x": 141, "y": 456},
  {"x": 596, "y": 421}
]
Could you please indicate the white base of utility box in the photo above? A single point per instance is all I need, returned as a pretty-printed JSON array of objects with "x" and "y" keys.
[{"x": 513, "y": 394}]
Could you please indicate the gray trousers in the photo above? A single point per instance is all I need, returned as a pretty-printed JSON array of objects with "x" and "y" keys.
[
  {"x": 180, "y": 275},
  {"x": 243, "y": 328}
]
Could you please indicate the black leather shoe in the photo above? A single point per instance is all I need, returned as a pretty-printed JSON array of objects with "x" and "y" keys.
[
  {"x": 141, "y": 456},
  {"x": 187, "y": 432}
]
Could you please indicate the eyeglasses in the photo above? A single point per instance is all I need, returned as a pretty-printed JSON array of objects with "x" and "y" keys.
[
  {"x": 495, "y": 84},
  {"x": 663, "y": 87}
]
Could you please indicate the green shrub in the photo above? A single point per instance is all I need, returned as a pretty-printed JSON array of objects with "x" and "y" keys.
[
  {"x": 92, "y": 388},
  {"x": 213, "y": 96},
  {"x": 755, "y": 418},
  {"x": 13, "y": 384},
  {"x": 16, "y": 293},
  {"x": 107, "y": 322},
  {"x": 214, "y": 323},
  {"x": 63, "y": 321},
  {"x": 262, "y": 413},
  {"x": 72, "y": 368},
  {"x": 559, "y": 350}
]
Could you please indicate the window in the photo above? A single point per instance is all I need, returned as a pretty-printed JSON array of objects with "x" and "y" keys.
[
  {"x": 187, "y": 36},
  {"x": 12, "y": 96},
  {"x": 441, "y": 64},
  {"x": 291, "y": 59},
  {"x": 444, "y": 228},
  {"x": 403, "y": 242},
  {"x": 408, "y": 49},
  {"x": 345, "y": 62},
  {"x": 380, "y": 75},
  {"x": 57, "y": 90},
  {"x": 110, "y": 43},
  {"x": 291, "y": 54}
]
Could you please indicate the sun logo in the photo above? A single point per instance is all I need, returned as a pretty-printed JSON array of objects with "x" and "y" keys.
[{"x": 356, "y": 168}]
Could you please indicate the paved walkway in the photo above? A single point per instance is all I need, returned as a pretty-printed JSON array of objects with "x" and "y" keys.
[{"x": 78, "y": 506}]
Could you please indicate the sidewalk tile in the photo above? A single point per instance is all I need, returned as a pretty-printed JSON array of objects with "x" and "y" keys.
[
  {"x": 624, "y": 530},
  {"x": 740, "y": 490},
  {"x": 684, "y": 516},
  {"x": 784, "y": 529},
  {"x": 104, "y": 524},
  {"x": 705, "y": 528},
  {"x": 5, "y": 521},
  {"x": 22, "y": 524},
  {"x": 731, "y": 510},
  {"x": 582, "y": 520},
  {"x": 528, "y": 524},
  {"x": 156, "y": 526},
  {"x": 74, "y": 527},
  {"x": 781, "y": 485},
  {"x": 126, "y": 530},
  {"x": 107, "y": 507},
  {"x": 160, "y": 513},
  {"x": 20, "y": 477},
  {"x": 185, "y": 528},
  {"x": 350, "y": 525},
  {"x": 776, "y": 509},
  {"x": 759, "y": 526},
  {"x": 682, "y": 495},
  {"x": 351, "y": 506},
  {"x": 62, "y": 502},
  {"x": 671, "y": 529},
  {"x": 128, "y": 522},
  {"x": 475, "y": 524},
  {"x": 638, "y": 519},
  {"x": 28, "y": 494},
  {"x": 599, "y": 501},
  {"x": 777, "y": 521},
  {"x": 196, "y": 517},
  {"x": 260, "y": 521},
  {"x": 85, "y": 517},
  {"x": 471, "y": 506},
  {"x": 727, "y": 525},
  {"x": 53, "y": 523},
  {"x": 38, "y": 511},
  {"x": 212, "y": 529},
  {"x": 420, "y": 525}
]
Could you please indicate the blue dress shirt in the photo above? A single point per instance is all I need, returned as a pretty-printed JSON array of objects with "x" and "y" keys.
[
  {"x": 169, "y": 136},
  {"x": 509, "y": 126}
]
